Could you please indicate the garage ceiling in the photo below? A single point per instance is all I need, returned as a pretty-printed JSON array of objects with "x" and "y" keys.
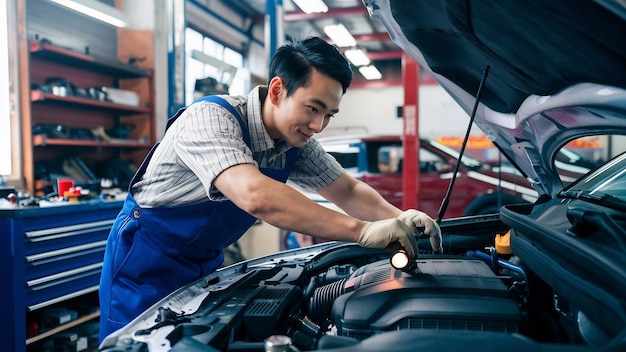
[{"x": 369, "y": 34}]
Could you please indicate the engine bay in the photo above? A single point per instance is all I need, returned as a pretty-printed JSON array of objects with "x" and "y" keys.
[
  {"x": 445, "y": 294},
  {"x": 348, "y": 298}
]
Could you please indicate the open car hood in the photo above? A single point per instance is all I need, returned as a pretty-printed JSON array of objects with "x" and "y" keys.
[
  {"x": 556, "y": 71},
  {"x": 543, "y": 276}
]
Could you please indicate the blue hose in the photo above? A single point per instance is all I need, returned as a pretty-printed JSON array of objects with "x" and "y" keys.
[{"x": 503, "y": 263}]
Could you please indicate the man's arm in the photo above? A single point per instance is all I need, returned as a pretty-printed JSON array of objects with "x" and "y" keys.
[
  {"x": 362, "y": 201},
  {"x": 284, "y": 207},
  {"x": 358, "y": 199}
]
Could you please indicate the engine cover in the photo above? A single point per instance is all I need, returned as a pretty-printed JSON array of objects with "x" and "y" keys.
[{"x": 448, "y": 294}]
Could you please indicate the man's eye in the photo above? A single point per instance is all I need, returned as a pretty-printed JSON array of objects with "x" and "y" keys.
[{"x": 313, "y": 109}]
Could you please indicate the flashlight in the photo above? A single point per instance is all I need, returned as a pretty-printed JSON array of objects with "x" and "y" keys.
[{"x": 400, "y": 260}]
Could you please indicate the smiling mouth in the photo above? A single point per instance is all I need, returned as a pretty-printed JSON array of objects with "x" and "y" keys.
[{"x": 306, "y": 135}]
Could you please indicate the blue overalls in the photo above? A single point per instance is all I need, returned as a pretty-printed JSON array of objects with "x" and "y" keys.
[{"x": 153, "y": 251}]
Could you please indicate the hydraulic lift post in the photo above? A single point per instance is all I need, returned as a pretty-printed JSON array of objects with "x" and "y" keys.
[{"x": 410, "y": 131}]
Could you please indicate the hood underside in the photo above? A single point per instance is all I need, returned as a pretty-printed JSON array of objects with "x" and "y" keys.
[{"x": 556, "y": 70}]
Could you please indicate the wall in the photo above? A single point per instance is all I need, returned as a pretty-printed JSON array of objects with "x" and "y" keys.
[
  {"x": 261, "y": 239},
  {"x": 161, "y": 74},
  {"x": 6, "y": 166},
  {"x": 153, "y": 15},
  {"x": 438, "y": 114}
]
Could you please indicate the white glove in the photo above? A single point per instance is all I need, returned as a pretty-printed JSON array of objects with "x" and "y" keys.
[
  {"x": 415, "y": 219},
  {"x": 379, "y": 234}
]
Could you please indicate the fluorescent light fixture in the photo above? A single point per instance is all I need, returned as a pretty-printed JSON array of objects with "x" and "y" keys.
[
  {"x": 97, "y": 10},
  {"x": 311, "y": 6},
  {"x": 339, "y": 35},
  {"x": 357, "y": 57},
  {"x": 370, "y": 72}
]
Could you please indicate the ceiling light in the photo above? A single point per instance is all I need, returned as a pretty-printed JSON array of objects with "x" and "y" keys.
[
  {"x": 311, "y": 6},
  {"x": 370, "y": 72},
  {"x": 357, "y": 57},
  {"x": 97, "y": 10},
  {"x": 339, "y": 35}
]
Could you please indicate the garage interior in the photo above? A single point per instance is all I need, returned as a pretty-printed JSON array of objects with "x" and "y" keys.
[{"x": 86, "y": 99}]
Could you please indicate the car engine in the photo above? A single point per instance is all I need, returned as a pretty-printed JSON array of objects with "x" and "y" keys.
[
  {"x": 450, "y": 294},
  {"x": 483, "y": 294},
  {"x": 339, "y": 299}
]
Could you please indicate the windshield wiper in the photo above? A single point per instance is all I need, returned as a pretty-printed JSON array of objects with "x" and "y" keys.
[{"x": 595, "y": 197}]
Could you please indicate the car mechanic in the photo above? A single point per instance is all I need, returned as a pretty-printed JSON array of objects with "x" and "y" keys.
[{"x": 222, "y": 164}]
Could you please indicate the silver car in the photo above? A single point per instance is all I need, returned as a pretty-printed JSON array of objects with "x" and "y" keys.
[{"x": 545, "y": 276}]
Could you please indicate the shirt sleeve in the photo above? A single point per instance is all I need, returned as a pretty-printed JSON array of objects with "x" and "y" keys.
[
  {"x": 315, "y": 168},
  {"x": 209, "y": 140}
]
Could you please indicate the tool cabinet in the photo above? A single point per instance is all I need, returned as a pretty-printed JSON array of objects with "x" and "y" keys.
[{"x": 50, "y": 257}]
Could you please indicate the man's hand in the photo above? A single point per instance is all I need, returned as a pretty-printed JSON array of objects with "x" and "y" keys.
[
  {"x": 379, "y": 234},
  {"x": 415, "y": 219}
]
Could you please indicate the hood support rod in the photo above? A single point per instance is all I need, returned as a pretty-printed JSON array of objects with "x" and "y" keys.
[{"x": 446, "y": 199}]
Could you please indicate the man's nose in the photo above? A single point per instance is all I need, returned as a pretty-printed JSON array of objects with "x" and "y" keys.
[{"x": 318, "y": 123}]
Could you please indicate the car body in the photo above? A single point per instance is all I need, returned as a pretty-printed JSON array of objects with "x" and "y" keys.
[
  {"x": 481, "y": 187},
  {"x": 544, "y": 276}
]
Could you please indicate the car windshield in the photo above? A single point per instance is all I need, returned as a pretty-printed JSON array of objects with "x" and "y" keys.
[{"x": 606, "y": 186}]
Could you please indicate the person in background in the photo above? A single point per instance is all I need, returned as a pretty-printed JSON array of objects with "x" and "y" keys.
[{"x": 222, "y": 164}]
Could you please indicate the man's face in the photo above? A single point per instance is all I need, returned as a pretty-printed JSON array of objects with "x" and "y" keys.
[{"x": 307, "y": 111}]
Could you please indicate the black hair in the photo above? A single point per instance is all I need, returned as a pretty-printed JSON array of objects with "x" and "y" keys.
[{"x": 295, "y": 60}]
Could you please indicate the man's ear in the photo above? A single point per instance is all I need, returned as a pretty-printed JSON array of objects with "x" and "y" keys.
[{"x": 275, "y": 89}]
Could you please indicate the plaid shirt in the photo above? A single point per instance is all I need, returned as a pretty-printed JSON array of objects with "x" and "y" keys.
[{"x": 206, "y": 140}]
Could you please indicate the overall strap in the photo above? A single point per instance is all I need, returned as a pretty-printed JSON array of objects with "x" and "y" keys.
[
  {"x": 292, "y": 155},
  {"x": 209, "y": 98},
  {"x": 223, "y": 103}
]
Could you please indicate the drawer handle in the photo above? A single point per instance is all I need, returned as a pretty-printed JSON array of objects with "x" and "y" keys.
[
  {"x": 35, "y": 257},
  {"x": 63, "y": 298},
  {"x": 56, "y": 230},
  {"x": 63, "y": 274},
  {"x": 68, "y": 234}
]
